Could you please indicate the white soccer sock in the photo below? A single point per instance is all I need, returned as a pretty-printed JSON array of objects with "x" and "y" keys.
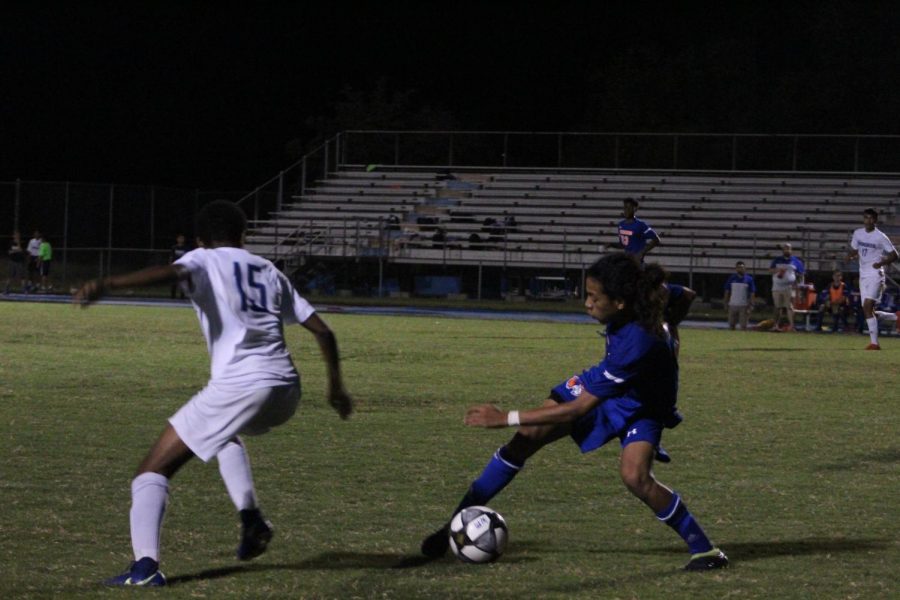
[
  {"x": 873, "y": 329},
  {"x": 149, "y": 493},
  {"x": 234, "y": 465}
]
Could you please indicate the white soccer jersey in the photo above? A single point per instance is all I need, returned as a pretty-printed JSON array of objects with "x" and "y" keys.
[
  {"x": 242, "y": 301},
  {"x": 872, "y": 246},
  {"x": 740, "y": 294}
]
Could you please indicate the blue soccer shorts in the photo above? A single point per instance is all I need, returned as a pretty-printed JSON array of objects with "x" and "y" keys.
[{"x": 614, "y": 417}]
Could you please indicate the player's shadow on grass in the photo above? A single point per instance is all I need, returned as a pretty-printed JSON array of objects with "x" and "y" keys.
[
  {"x": 747, "y": 551},
  {"x": 329, "y": 561},
  {"x": 766, "y": 350},
  {"x": 887, "y": 455}
]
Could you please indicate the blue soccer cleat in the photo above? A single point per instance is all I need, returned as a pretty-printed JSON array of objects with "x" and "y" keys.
[{"x": 144, "y": 572}]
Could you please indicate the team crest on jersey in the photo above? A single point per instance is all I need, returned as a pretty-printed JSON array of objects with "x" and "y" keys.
[{"x": 573, "y": 385}]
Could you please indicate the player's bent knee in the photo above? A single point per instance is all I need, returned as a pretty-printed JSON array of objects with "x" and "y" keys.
[{"x": 638, "y": 481}]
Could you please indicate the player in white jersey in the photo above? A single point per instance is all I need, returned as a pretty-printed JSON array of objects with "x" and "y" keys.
[
  {"x": 242, "y": 301},
  {"x": 874, "y": 251}
]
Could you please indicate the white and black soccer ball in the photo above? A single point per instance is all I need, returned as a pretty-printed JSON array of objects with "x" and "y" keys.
[{"x": 478, "y": 534}]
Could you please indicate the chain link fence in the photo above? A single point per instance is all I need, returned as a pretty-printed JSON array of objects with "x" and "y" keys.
[{"x": 99, "y": 229}]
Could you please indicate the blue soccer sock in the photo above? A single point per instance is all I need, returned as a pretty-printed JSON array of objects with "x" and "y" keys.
[
  {"x": 500, "y": 470},
  {"x": 679, "y": 518}
]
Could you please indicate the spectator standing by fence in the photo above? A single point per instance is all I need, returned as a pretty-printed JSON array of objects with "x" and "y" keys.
[
  {"x": 16, "y": 255},
  {"x": 45, "y": 258},
  {"x": 33, "y": 249},
  {"x": 787, "y": 270},
  {"x": 179, "y": 249},
  {"x": 740, "y": 294}
]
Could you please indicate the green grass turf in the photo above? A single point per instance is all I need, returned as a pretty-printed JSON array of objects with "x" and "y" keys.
[{"x": 788, "y": 456}]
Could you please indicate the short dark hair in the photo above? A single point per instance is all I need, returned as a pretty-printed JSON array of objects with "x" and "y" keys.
[
  {"x": 631, "y": 201},
  {"x": 221, "y": 221},
  {"x": 739, "y": 263},
  {"x": 871, "y": 212}
]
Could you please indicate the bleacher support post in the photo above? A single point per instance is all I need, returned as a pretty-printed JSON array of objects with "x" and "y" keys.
[
  {"x": 479, "y": 280},
  {"x": 17, "y": 204},
  {"x": 280, "y": 191},
  {"x": 583, "y": 277},
  {"x": 380, "y": 277},
  {"x": 112, "y": 198},
  {"x": 65, "y": 253},
  {"x": 303, "y": 176},
  {"x": 691, "y": 264}
]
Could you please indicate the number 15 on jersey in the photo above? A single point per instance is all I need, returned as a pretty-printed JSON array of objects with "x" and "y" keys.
[{"x": 254, "y": 288}]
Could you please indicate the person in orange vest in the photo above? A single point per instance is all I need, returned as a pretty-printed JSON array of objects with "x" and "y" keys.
[{"x": 836, "y": 302}]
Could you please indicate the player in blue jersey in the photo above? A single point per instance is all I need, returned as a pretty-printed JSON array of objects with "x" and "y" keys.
[
  {"x": 630, "y": 395},
  {"x": 635, "y": 236}
]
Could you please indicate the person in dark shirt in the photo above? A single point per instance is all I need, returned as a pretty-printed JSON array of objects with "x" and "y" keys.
[
  {"x": 16, "y": 255},
  {"x": 178, "y": 250}
]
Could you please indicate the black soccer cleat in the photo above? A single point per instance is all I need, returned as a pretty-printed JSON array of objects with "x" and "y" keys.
[
  {"x": 707, "y": 561},
  {"x": 436, "y": 544},
  {"x": 141, "y": 573},
  {"x": 662, "y": 456},
  {"x": 256, "y": 533}
]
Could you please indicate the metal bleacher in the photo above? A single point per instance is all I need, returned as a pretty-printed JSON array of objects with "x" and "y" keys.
[{"x": 564, "y": 219}]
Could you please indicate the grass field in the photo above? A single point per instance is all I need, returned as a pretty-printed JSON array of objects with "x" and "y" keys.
[{"x": 788, "y": 455}]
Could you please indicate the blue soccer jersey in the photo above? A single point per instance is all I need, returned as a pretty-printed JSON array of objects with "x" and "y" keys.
[
  {"x": 634, "y": 235},
  {"x": 788, "y": 262},
  {"x": 637, "y": 381},
  {"x": 745, "y": 279}
]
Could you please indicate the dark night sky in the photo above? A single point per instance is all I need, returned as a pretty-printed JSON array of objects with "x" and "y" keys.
[{"x": 207, "y": 94}]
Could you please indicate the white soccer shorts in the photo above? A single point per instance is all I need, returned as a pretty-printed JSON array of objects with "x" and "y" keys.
[
  {"x": 871, "y": 286},
  {"x": 215, "y": 415}
]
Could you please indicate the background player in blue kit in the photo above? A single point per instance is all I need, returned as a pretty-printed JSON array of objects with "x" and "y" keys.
[
  {"x": 630, "y": 394},
  {"x": 635, "y": 236}
]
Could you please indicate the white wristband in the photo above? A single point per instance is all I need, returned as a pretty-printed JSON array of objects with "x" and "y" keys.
[{"x": 512, "y": 418}]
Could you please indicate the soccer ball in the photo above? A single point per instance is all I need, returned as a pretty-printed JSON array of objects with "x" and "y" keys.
[{"x": 478, "y": 534}]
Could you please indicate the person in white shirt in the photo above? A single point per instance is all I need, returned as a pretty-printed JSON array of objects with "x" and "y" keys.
[
  {"x": 874, "y": 251},
  {"x": 242, "y": 301},
  {"x": 34, "y": 254}
]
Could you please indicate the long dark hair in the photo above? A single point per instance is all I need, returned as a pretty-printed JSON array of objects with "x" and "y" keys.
[{"x": 641, "y": 289}]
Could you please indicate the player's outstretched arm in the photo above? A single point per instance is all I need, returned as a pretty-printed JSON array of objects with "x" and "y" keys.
[
  {"x": 338, "y": 397},
  {"x": 96, "y": 288},
  {"x": 488, "y": 415}
]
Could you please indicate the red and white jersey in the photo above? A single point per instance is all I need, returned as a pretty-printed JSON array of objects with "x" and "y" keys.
[
  {"x": 872, "y": 246},
  {"x": 243, "y": 301}
]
